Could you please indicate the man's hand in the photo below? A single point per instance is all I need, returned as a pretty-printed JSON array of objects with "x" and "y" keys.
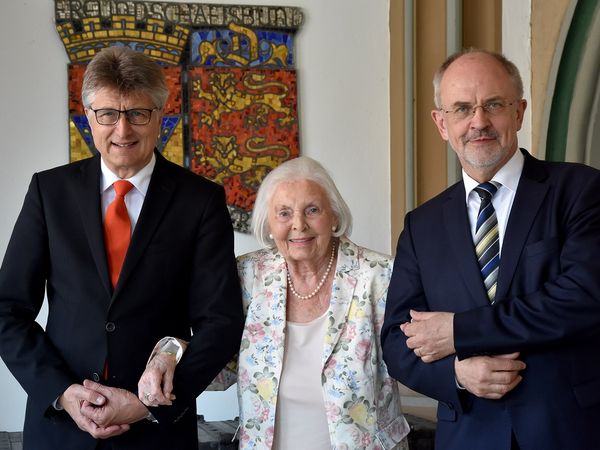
[
  {"x": 430, "y": 334},
  {"x": 121, "y": 406},
  {"x": 73, "y": 399},
  {"x": 156, "y": 384},
  {"x": 489, "y": 377}
]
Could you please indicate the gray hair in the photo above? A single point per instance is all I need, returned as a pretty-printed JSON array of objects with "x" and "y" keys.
[
  {"x": 128, "y": 72},
  {"x": 301, "y": 168},
  {"x": 509, "y": 66}
]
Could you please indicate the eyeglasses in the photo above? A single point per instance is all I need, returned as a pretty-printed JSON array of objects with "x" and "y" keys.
[
  {"x": 465, "y": 110},
  {"x": 136, "y": 116}
]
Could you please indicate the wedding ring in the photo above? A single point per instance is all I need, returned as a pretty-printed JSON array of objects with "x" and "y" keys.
[{"x": 148, "y": 397}]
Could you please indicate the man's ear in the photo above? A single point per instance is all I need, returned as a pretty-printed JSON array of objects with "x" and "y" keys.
[
  {"x": 521, "y": 107},
  {"x": 440, "y": 123}
]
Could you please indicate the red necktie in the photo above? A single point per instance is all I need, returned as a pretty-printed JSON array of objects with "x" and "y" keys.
[{"x": 117, "y": 230}]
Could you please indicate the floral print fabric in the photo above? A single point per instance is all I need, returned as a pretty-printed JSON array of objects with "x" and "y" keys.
[{"x": 361, "y": 400}]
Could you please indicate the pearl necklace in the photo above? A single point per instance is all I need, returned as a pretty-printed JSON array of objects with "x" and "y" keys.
[{"x": 321, "y": 283}]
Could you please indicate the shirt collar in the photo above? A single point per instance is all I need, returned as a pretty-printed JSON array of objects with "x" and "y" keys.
[
  {"x": 141, "y": 180},
  {"x": 508, "y": 175}
]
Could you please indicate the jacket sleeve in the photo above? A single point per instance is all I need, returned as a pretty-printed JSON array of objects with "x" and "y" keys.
[
  {"x": 228, "y": 376},
  {"x": 215, "y": 308},
  {"x": 392, "y": 425},
  {"x": 435, "y": 380},
  {"x": 24, "y": 345}
]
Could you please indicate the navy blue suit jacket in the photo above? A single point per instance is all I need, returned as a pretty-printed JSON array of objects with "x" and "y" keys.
[
  {"x": 179, "y": 276},
  {"x": 548, "y": 308}
]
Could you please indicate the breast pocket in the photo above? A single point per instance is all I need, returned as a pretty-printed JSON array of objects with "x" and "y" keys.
[
  {"x": 588, "y": 394},
  {"x": 160, "y": 247},
  {"x": 541, "y": 248},
  {"x": 539, "y": 263}
]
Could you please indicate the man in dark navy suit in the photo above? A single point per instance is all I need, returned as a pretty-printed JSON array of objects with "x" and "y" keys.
[{"x": 494, "y": 303}]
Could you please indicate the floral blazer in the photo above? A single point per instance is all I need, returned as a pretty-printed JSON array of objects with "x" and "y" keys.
[{"x": 362, "y": 401}]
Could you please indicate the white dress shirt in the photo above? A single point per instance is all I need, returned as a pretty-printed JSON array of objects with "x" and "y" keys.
[
  {"x": 508, "y": 176},
  {"x": 134, "y": 199}
]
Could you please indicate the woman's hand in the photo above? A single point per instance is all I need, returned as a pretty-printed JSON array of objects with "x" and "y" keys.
[{"x": 156, "y": 384}]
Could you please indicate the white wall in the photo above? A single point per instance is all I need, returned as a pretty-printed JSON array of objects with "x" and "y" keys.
[
  {"x": 516, "y": 46},
  {"x": 343, "y": 77}
]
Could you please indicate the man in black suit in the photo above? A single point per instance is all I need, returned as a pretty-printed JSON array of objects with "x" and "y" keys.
[
  {"x": 494, "y": 303},
  {"x": 167, "y": 269}
]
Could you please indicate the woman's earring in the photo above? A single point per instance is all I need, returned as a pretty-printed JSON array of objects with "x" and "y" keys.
[
  {"x": 334, "y": 228},
  {"x": 270, "y": 236}
]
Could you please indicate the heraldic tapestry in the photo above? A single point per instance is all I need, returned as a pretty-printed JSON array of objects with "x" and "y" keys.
[{"x": 232, "y": 111}]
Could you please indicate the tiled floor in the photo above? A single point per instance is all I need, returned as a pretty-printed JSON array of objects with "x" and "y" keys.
[
  {"x": 11, "y": 441},
  {"x": 219, "y": 435}
]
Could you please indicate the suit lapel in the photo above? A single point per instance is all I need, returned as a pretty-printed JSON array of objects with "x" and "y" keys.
[
  {"x": 88, "y": 198},
  {"x": 457, "y": 226},
  {"x": 528, "y": 199},
  {"x": 342, "y": 293},
  {"x": 158, "y": 198}
]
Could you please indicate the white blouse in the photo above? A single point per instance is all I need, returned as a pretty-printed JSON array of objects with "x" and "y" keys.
[{"x": 301, "y": 422}]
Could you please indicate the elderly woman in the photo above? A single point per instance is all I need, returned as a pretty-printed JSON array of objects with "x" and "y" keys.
[{"x": 310, "y": 373}]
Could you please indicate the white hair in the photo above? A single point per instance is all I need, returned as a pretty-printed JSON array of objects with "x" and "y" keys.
[{"x": 301, "y": 168}]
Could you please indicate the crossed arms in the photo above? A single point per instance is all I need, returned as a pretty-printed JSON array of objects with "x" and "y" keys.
[
  {"x": 552, "y": 298},
  {"x": 430, "y": 336}
]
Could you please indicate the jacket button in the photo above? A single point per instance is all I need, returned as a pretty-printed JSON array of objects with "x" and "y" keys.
[
  {"x": 110, "y": 327},
  {"x": 95, "y": 377}
]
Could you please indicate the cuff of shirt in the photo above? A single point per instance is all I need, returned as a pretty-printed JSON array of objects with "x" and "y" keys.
[
  {"x": 57, "y": 406},
  {"x": 169, "y": 345}
]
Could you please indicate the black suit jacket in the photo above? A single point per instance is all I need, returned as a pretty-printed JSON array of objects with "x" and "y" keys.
[
  {"x": 179, "y": 277},
  {"x": 548, "y": 308}
]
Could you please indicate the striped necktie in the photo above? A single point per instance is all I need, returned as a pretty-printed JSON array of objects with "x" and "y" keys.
[{"x": 487, "y": 244}]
